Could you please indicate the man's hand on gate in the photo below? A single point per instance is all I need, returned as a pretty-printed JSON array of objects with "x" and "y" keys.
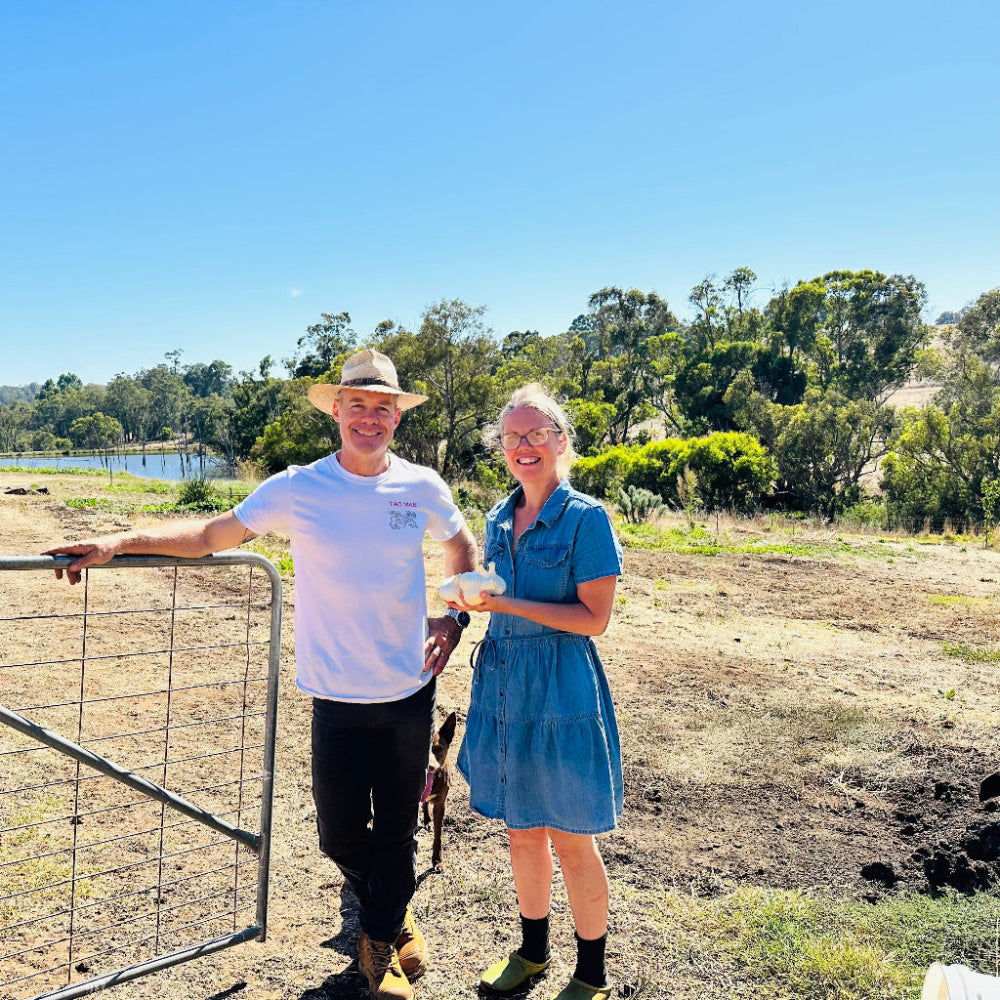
[
  {"x": 93, "y": 551},
  {"x": 441, "y": 640}
]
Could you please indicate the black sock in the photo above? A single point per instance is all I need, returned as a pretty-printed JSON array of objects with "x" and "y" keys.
[
  {"x": 590, "y": 961},
  {"x": 534, "y": 940}
]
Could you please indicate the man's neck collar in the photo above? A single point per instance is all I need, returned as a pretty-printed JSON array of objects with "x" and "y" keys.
[{"x": 371, "y": 469}]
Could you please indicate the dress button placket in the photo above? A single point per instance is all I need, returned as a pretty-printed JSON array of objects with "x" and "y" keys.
[{"x": 503, "y": 704}]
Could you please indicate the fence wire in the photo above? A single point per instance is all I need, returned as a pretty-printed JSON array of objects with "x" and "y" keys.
[{"x": 136, "y": 766}]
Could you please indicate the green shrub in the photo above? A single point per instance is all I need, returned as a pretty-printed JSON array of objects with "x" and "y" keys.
[
  {"x": 733, "y": 470},
  {"x": 656, "y": 467},
  {"x": 600, "y": 475},
  {"x": 919, "y": 495},
  {"x": 200, "y": 494},
  {"x": 869, "y": 513}
]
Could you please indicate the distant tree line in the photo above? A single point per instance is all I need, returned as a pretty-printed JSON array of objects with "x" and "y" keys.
[{"x": 784, "y": 405}]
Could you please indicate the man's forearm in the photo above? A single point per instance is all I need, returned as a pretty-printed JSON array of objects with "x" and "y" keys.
[
  {"x": 461, "y": 553},
  {"x": 185, "y": 541}
]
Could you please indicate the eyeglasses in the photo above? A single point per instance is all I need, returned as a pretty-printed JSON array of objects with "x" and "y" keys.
[{"x": 536, "y": 437}]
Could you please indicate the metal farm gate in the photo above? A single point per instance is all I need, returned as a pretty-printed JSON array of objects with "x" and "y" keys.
[{"x": 136, "y": 766}]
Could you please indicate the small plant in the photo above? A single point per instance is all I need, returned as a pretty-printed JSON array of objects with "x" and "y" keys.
[
  {"x": 971, "y": 654},
  {"x": 636, "y": 504},
  {"x": 200, "y": 494},
  {"x": 869, "y": 514},
  {"x": 687, "y": 490},
  {"x": 89, "y": 503},
  {"x": 947, "y": 695}
]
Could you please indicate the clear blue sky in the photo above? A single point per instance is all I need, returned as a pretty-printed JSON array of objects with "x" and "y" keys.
[{"x": 211, "y": 176}]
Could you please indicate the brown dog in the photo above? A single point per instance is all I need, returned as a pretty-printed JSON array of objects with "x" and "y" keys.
[{"x": 438, "y": 783}]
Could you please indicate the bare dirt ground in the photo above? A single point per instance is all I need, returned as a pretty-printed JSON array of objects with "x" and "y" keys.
[{"x": 786, "y": 722}]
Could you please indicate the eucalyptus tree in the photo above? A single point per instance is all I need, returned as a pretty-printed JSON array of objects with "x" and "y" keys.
[
  {"x": 709, "y": 323},
  {"x": 822, "y": 446},
  {"x": 724, "y": 311},
  {"x": 169, "y": 399},
  {"x": 945, "y": 455},
  {"x": 256, "y": 403},
  {"x": 618, "y": 368},
  {"x": 130, "y": 402},
  {"x": 739, "y": 282},
  {"x": 60, "y": 402},
  {"x": 96, "y": 432},
  {"x": 12, "y": 421},
  {"x": 299, "y": 434},
  {"x": 211, "y": 423},
  {"x": 451, "y": 359},
  {"x": 860, "y": 332},
  {"x": 215, "y": 378},
  {"x": 320, "y": 346}
]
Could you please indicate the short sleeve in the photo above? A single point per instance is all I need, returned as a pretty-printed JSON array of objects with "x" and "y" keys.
[
  {"x": 597, "y": 553},
  {"x": 268, "y": 508},
  {"x": 444, "y": 519}
]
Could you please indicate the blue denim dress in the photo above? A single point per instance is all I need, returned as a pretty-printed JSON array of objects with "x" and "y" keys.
[{"x": 541, "y": 742}]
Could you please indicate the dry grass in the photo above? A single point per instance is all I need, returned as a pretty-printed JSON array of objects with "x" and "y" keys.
[{"x": 785, "y": 723}]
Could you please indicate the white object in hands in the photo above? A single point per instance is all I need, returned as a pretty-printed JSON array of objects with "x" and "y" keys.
[
  {"x": 958, "y": 982},
  {"x": 471, "y": 585}
]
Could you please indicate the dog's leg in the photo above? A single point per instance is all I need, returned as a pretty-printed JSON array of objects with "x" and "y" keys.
[{"x": 438, "y": 824}]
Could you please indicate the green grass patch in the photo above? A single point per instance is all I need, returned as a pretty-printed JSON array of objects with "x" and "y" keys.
[
  {"x": 949, "y": 600},
  {"x": 697, "y": 540},
  {"x": 809, "y": 945},
  {"x": 126, "y": 483},
  {"x": 46, "y": 471},
  {"x": 91, "y": 503},
  {"x": 279, "y": 554},
  {"x": 971, "y": 654},
  {"x": 120, "y": 506},
  {"x": 32, "y": 859}
]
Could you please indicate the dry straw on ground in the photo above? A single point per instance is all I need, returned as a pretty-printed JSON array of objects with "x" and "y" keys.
[{"x": 786, "y": 723}]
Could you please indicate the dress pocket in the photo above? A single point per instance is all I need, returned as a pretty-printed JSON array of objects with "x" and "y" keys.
[
  {"x": 546, "y": 572},
  {"x": 548, "y": 557}
]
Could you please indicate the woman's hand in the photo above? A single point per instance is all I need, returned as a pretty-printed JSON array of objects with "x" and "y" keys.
[
  {"x": 487, "y": 602},
  {"x": 587, "y": 615}
]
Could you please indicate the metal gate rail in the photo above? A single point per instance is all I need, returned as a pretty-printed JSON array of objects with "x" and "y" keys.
[{"x": 257, "y": 843}]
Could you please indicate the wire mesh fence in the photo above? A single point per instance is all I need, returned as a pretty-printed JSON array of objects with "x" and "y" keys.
[{"x": 136, "y": 766}]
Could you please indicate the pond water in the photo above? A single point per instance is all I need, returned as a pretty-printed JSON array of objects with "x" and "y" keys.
[{"x": 159, "y": 465}]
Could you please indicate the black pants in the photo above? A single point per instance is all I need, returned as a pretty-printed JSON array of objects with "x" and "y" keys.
[{"x": 369, "y": 767}]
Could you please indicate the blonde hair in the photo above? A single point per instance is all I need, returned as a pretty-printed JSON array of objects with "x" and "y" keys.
[{"x": 535, "y": 396}]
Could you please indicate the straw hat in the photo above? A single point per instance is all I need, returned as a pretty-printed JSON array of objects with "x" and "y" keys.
[{"x": 369, "y": 371}]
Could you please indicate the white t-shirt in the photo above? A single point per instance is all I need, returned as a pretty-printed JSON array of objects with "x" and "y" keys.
[{"x": 361, "y": 608}]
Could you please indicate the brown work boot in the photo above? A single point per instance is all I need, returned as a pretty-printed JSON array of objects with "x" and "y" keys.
[
  {"x": 379, "y": 964},
  {"x": 412, "y": 948}
]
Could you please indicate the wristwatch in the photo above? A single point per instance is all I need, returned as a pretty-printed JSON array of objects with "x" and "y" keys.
[{"x": 462, "y": 618}]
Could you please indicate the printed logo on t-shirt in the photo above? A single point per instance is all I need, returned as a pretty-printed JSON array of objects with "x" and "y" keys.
[{"x": 402, "y": 515}]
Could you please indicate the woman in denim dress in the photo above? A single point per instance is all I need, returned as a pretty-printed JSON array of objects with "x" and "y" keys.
[{"x": 541, "y": 748}]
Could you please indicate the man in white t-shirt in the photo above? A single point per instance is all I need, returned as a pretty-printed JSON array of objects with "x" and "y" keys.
[{"x": 364, "y": 648}]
